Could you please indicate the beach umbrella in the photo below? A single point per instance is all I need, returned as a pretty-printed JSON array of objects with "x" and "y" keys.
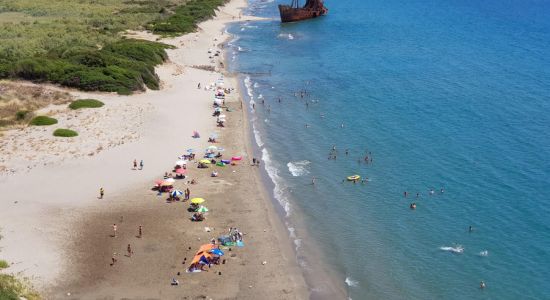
[
  {"x": 211, "y": 148},
  {"x": 181, "y": 171},
  {"x": 197, "y": 200},
  {"x": 176, "y": 193},
  {"x": 171, "y": 180},
  {"x": 202, "y": 209},
  {"x": 190, "y": 150},
  {"x": 205, "y": 161},
  {"x": 217, "y": 251},
  {"x": 181, "y": 162}
]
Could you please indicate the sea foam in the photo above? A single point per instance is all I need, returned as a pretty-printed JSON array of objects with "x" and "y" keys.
[
  {"x": 457, "y": 249},
  {"x": 298, "y": 168},
  {"x": 350, "y": 282},
  {"x": 278, "y": 190}
]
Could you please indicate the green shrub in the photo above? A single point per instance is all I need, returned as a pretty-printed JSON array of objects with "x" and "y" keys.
[
  {"x": 86, "y": 103},
  {"x": 3, "y": 264},
  {"x": 65, "y": 133},
  {"x": 186, "y": 17},
  {"x": 21, "y": 115},
  {"x": 43, "y": 121}
]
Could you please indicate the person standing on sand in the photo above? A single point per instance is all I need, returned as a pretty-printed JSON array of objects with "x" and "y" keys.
[
  {"x": 130, "y": 252},
  {"x": 141, "y": 165},
  {"x": 140, "y": 231},
  {"x": 114, "y": 230},
  {"x": 101, "y": 193},
  {"x": 135, "y": 164}
]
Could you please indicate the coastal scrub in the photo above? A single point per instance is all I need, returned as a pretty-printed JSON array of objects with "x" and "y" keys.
[
  {"x": 43, "y": 121},
  {"x": 62, "y": 132},
  {"x": 86, "y": 103},
  {"x": 186, "y": 17}
]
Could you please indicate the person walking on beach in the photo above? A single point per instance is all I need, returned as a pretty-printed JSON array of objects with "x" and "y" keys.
[
  {"x": 140, "y": 231},
  {"x": 101, "y": 193},
  {"x": 141, "y": 165},
  {"x": 313, "y": 180},
  {"x": 253, "y": 161},
  {"x": 130, "y": 252},
  {"x": 113, "y": 259},
  {"x": 135, "y": 164},
  {"x": 114, "y": 230}
]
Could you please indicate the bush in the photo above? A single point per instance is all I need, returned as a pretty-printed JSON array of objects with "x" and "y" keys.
[
  {"x": 43, "y": 121},
  {"x": 85, "y": 103},
  {"x": 21, "y": 115},
  {"x": 3, "y": 264},
  {"x": 65, "y": 133},
  {"x": 186, "y": 17}
]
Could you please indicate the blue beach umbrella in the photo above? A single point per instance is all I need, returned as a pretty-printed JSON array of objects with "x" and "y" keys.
[{"x": 216, "y": 251}]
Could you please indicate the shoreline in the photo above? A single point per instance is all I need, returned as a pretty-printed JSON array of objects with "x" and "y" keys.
[{"x": 64, "y": 198}]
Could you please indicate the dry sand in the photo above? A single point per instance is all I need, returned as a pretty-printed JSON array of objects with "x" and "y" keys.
[{"x": 56, "y": 231}]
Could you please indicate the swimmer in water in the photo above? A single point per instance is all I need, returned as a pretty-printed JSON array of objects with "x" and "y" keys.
[
  {"x": 347, "y": 151},
  {"x": 482, "y": 285},
  {"x": 313, "y": 180},
  {"x": 413, "y": 205},
  {"x": 470, "y": 229},
  {"x": 432, "y": 192},
  {"x": 441, "y": 191},
  {"x": 307, "y": 125},
  {"x": 342, "y": 125}
]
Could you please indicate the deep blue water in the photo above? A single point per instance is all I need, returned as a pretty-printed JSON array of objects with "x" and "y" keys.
[{"x": 444, "y": 94}]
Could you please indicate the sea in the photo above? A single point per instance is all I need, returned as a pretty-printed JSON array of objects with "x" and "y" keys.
[{"x": 445, "y": 104}]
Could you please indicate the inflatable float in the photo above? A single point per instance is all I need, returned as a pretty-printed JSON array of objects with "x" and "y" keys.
[{"x": 353, "y": 178}]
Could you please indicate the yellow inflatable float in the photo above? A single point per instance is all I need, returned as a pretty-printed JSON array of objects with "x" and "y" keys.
[{"x": 353, "y": 177}]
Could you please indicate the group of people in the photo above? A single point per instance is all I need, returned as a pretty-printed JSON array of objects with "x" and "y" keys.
[{"x": 136, "y": 165}]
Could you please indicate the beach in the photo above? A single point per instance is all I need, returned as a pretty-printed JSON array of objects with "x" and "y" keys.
[{"x": 57, "y": 232}]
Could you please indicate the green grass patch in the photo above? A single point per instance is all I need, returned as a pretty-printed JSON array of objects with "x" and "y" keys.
[
  {"x": 3, "y": 264},
  {"x": 43, "y": 121},
  {"x": 12, "y": 288},
  {"x": 65, "y": 132},
  {"x": 86, "y": 103}
]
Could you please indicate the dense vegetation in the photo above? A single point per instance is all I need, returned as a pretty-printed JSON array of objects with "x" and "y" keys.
[
  {"x": 79, "y": 43},
  {"x": 65, "y": 132},
  {"x": 186, "y": 17},
  {"x": 43, "y": 121},
  {"x": 86, "y": 103}
]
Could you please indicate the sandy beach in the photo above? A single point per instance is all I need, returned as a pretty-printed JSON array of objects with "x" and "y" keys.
[{"x": 57, "y": 232}]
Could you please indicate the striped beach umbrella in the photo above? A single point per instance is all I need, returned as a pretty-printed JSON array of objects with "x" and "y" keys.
[{"x": 176, "y": 193}]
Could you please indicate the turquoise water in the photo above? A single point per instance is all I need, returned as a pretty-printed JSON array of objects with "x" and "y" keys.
[{"x": 451, "y": 95}]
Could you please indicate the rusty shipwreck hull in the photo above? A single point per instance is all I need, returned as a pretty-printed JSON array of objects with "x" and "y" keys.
[{"x": 293, "y": 13}]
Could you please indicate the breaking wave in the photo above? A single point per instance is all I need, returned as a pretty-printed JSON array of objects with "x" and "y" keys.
[
  {"x": 278, "y": 190},
  {"x": 350, "y": 282}
]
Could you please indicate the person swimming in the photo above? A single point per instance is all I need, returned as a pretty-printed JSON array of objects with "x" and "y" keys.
[{"x": 413, "y": 205}]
